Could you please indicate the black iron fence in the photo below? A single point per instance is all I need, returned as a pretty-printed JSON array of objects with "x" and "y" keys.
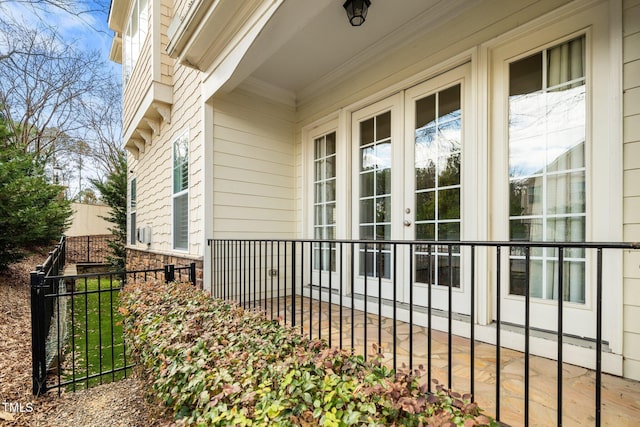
[
  {"x": 418, "y": 303},
  {"x": 77, "y": 332},
  {"x": 90, "y": 249}
]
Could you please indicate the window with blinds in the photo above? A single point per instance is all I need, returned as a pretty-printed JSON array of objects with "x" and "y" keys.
[
  {"x": 132, "y": 212},
  {"x": 181, "y": 192}
]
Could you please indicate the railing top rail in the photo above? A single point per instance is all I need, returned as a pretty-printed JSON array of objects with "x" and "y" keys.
[
  {"x": 114, "y": 273},
  {"x": 486, "y": 243},
  {"x": 49, "y": 262}
]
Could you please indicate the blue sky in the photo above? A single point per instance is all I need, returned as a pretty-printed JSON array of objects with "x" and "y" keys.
[{"x": 87, "y": 31}]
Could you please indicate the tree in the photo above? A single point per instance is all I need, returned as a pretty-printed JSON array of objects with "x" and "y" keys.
[
  {"x": 32, "y": 209},
  {"x": 42, "y": 87},
  {"x": 101, "y": 117},
  {"x": 61, "y": 99},
  {"x": 114, "y": 194}
]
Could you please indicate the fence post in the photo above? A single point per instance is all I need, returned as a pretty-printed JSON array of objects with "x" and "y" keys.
[
  {"x": 169, "y": 273},
  {"x": 88, "y": 248},
  {"x": 192, "y": 273},
  {"x": 38, "y": 333}
]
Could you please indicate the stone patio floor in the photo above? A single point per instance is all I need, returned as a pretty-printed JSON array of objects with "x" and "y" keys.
[{"x": 620, "y": 397}]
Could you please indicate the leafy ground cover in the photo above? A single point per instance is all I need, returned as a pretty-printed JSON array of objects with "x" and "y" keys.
[
  {"x": 213, "y": 363},
  {"x": 96, "y": 341}
]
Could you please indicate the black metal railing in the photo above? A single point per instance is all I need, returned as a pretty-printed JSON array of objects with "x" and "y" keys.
[
  {"x": 77, "y": 333},
  {"x": 319, "y": 286},
  {"x": 89, "y": 249}
]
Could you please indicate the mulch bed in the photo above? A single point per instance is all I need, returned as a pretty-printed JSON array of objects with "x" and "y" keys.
[{"x": 120, "y": 404}]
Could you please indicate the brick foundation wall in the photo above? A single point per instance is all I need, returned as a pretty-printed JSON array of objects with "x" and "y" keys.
[{"x": 142, "y": 260}]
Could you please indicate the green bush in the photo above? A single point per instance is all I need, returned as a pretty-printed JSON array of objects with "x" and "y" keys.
[
  {"x": 33, "y": 211},
  {"x": 213, "y": 363}
]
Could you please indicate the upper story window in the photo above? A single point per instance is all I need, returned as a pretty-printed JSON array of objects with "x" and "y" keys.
[{"x": 134, "y": 36}]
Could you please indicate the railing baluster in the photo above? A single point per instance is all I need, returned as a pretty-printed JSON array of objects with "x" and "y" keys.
[
  {"x": 86, "y": 332},
  {"x": 302, "y": 287},
  {"x": 320, "y": 270},
  {"x": 340, "y": 259},
  {"x": 255, "y": 274},
  {"x": 380, "y": 262},
  {"x": 293, "y": 284},
  {"x": 330, "y": 271},
  {"x": 366, "y": 275},
  {"x": 560, "y": 332},
  {"x": 599, "y": 337},
  {"x": 527, "y": 315},
  {"x": 353, "y": 291},
  {"x": 266, "y": 274},
  {"x": 113, "y": 359},
  {"x": 285, "y": 281},
  {"x": 245, "y": 270},
  {"x": 450, "y": 319},
  {"x": 472, "y": 321},
  {"x": 395, "y": 306},
  {"x": 271, "y": 280},
  {"x": 311, "y": 290},
  {"x": 411, "y": 308},
  {"x": 99, "y": 327},
  {"x": 498, "y": 297},
  {"x": 430, "y": 283}
]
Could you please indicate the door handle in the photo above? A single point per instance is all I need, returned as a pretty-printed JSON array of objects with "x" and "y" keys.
[{"x": 407, "y": 223}]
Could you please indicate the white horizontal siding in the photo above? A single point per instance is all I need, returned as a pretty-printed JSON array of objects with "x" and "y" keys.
[{"x": 253, "y": 172}]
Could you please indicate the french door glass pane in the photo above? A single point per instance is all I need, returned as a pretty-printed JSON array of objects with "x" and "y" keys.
[
  {"x": 375, "y": 193},
  {"x": 437, "y": 154},
  {"x": 324, "y": 201},
  {"x": 547, "y": 173}
]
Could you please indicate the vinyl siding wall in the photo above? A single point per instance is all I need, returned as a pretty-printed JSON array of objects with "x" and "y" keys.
[
  {"x": 140, "y": 79},
  {"x": 154, "y": 168},
  {"x": 166, "y": 63},
  {"x": 253, "y": 168},
  {"x": 631, "y": 132}
]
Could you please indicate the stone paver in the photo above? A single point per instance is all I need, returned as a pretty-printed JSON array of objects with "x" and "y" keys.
[{"x": 620, "y": 397}]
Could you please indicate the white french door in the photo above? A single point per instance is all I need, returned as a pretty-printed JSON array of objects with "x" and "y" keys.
[{"x": 408, "y": 184}]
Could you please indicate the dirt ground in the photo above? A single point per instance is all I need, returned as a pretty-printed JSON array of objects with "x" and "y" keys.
[{"x": 119, "y": 404}]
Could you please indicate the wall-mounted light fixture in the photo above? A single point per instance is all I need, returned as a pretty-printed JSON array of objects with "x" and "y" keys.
[{"x": 356, "y": 11}]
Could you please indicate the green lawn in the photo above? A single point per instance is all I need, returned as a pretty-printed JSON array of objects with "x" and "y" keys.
[{"x": 95, "y": 337}]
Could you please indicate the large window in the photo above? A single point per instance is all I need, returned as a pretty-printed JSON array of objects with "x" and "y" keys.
[
  {"x": 181, "y": 192},
  {"x": 547, "y": 174},
  {"x": 324, "y": 183},
  {"x": 132, "y": 212},
  {"x": 134, "y": 36}
]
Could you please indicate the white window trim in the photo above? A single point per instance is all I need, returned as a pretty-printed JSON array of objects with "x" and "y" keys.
[
  {"x": 142, "y": 35},
  {"x": 604, "y": 178},
  {"x": 181, "y": 135},
  {"x": 309, "y": 134},
  {"x": 132, "y": 239}
]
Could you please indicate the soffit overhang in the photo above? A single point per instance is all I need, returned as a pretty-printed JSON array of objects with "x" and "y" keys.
[
  {"x": 115, "y": 53},
  {"x": 208, "y": 29},
  {"x": 118, "y": 15},
  {"x": 295, "y": 48}
]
